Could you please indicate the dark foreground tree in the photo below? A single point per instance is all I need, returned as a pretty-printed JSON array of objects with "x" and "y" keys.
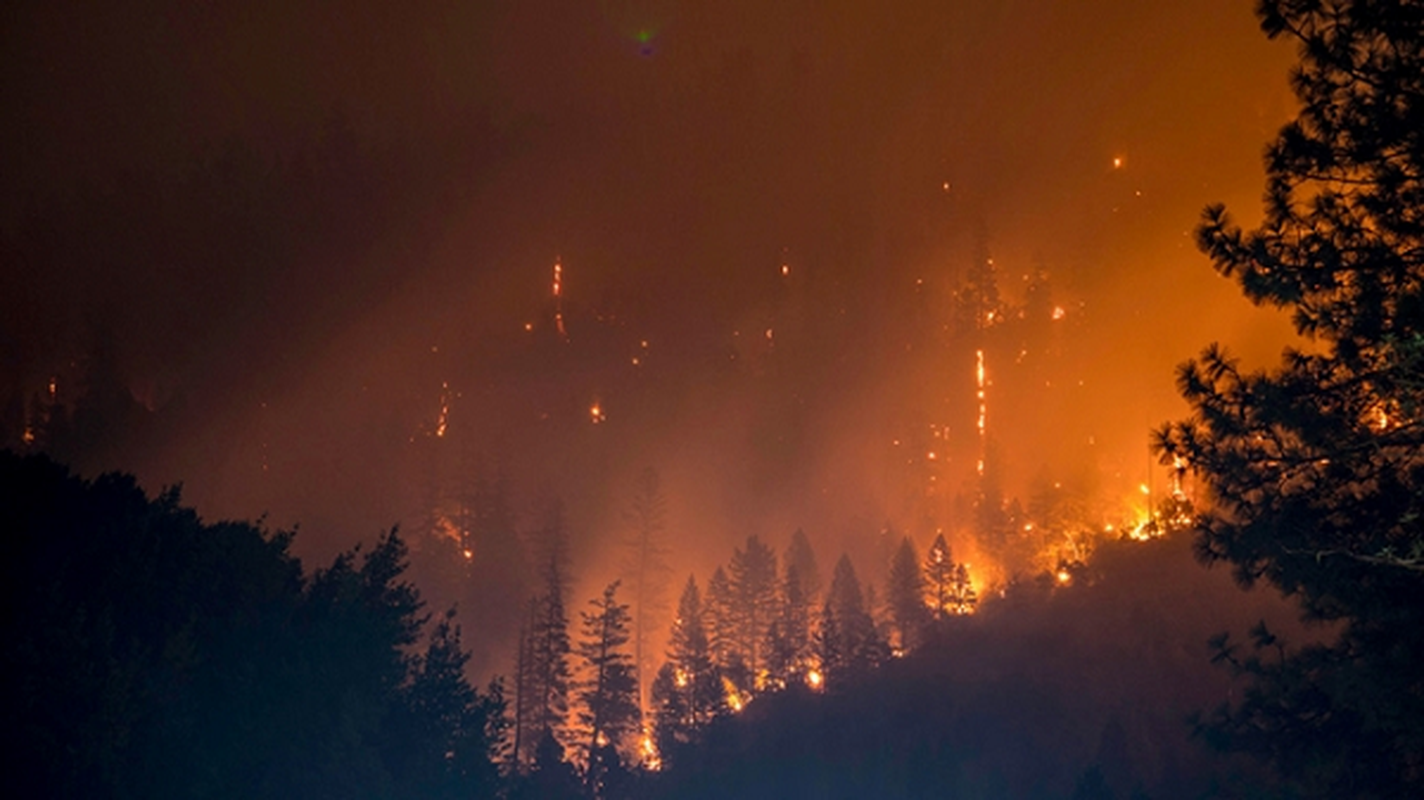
[
  {"x": 609, "y": 710},
  {"x": 149, "y": 654},
  {"x": 1316, "y": 469}
]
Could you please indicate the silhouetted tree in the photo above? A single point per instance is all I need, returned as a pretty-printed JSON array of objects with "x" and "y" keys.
[
  {"x": 905, "y": 594},
  {"x": 801, "y": 558},
  {"x": 610, "y": 713},
  {"x": 549, "y": 648},
  {"x": 753, "y": 581},
  {"x": 151, "y": 655},
  {"x": 1314, "y": 469},
  {"x": 721, "y": 624},
  {"x": 696, "y": 675},
  {"x": 849, "y": 645}
]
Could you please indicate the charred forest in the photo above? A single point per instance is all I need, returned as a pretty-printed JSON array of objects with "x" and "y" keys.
[{"x": 653, "y": 399}]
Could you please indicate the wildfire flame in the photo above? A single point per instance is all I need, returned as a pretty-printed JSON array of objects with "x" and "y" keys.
[{"x": 649, "y": 752}]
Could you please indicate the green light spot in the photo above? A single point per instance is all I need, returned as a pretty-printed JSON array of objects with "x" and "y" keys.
[{"x": 645, "y": 36}]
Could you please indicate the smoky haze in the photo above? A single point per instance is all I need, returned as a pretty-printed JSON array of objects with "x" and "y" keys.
[{"x": 295, "y": 232}]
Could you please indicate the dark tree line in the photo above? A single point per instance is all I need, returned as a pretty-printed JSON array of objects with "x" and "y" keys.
[{"x": 151, "y": 654}]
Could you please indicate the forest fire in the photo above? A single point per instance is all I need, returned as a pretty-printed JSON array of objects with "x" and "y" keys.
[{"x": 920, "y": 314}]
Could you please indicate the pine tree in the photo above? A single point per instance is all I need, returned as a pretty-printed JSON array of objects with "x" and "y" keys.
[
  {"x": 1314, "y": 469},
  {"x": 905, "y": 594},
  {"x": 722, "y": 627},
  {"x": 753, "y": 573},
  {"x": 610, "y": 713},
  {"x": 802, "y": 558},
  {"x": 939, "y": 575},
  {"x": 794, "y": 622},
  {"x": 549, "y": 646},
  {"x": 691, "y": 657},
  {"x": 848, "y": 642},
  {"x": 646, "y": 568}
]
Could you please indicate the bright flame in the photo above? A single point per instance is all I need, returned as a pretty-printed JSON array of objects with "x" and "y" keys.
[
  {"x": 815, "y": 680},
  {"x": 1064, "y": 577},
  {"x": 785, "y": 270},
  {"x": 469, "y": 554},
  {"x": 649, "y": 751},
  {"x": 735, "y": 701}
]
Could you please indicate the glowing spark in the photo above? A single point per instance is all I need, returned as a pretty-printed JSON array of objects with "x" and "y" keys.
[
  {"x": 558, "y": 297},
  {"x": 785, "y": 270},
  {"x": 469, "y": 554},
  {"x": 443, "y": 421},
  {"x": 931, "y": 456},
  {"x": 595, "y": 414},
  {"x": 1118, "y": 162},
  {"x": 528, "y": 326},
  {"x": 680, "y": 678},
  {"x": 28, "y": 437},
  {"x": 1064, "y": 577},
  {"x": 53, "y": 387},
  {"x": 815, "y": 680},
  {"x": 945, "y": 186},
  {"x": 1144, "y": 488},
  {"x": 1059, "y": 313},
  {"x": 768, "y": 334}
]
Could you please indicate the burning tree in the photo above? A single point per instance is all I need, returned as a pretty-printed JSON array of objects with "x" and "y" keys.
[
  {"x": 1316, "y": 469},
  {"x": 688, "y": 690},
  {"x": 939, "y": 575}
]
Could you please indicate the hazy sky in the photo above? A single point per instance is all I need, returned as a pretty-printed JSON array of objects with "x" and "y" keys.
[{"x": 295, "y": 222}]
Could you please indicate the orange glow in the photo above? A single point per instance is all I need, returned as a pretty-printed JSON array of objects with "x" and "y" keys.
[
  {"x": 595, "y": 413},
  {"x": 815, "y": 680},
  {"x": 785, "y": 270},
  {"x": 1064, "y": 577},
  {"x": 1059, "y": 313},
  {"x": 1118, "y": 161},
  {"x": 469, "y": 554}
]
